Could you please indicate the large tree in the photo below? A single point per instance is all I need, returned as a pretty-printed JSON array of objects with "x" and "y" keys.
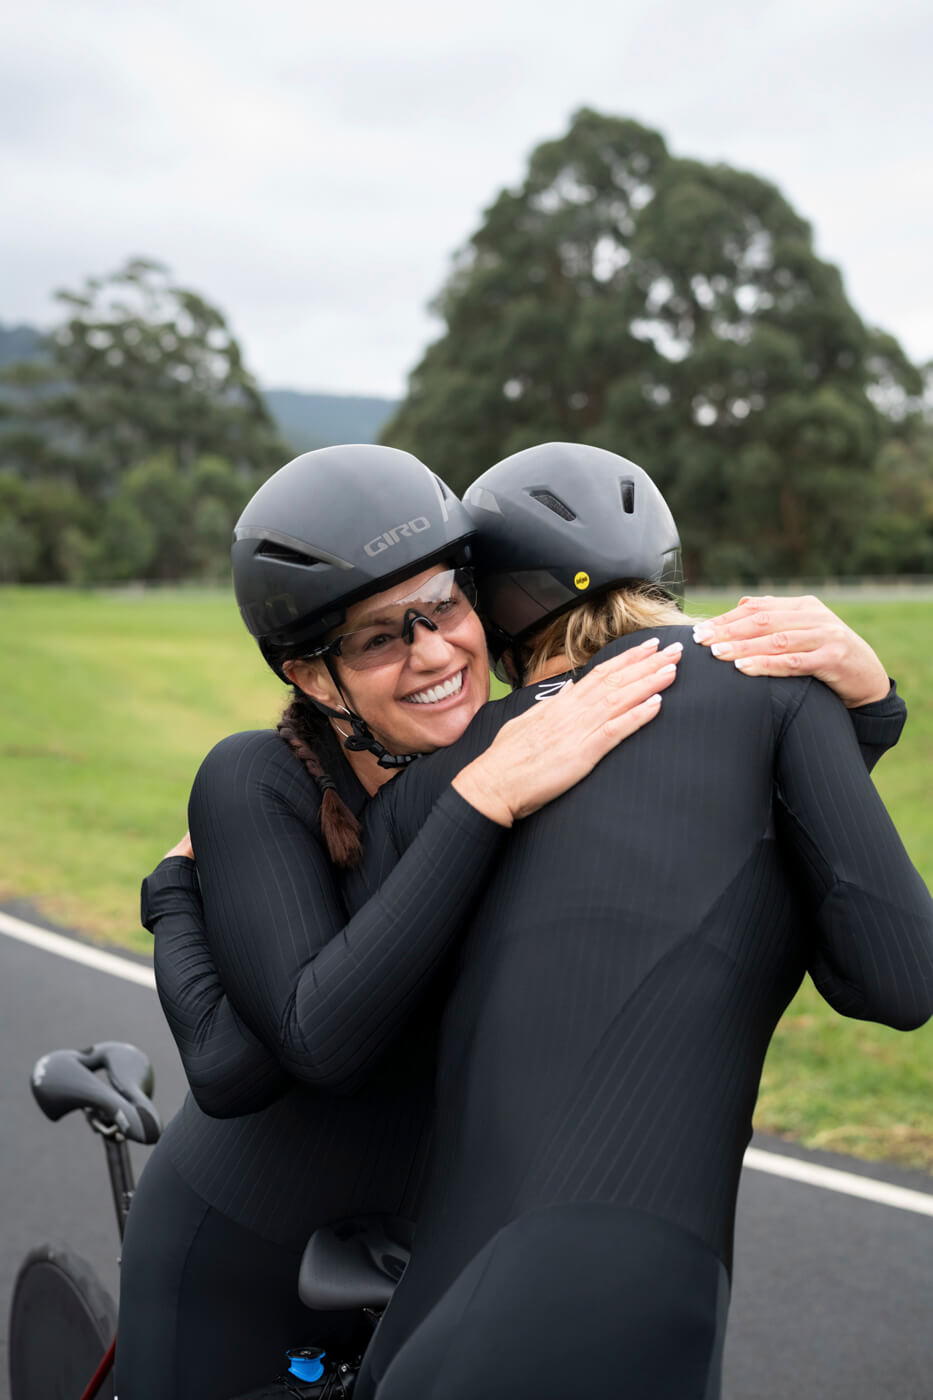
[
  {"x": 124, "y": 442},
  {"x": 676, "y": 312},
  {"x": 898, "y": 538}
]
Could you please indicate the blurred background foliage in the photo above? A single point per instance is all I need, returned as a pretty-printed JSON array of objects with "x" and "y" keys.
[
  {"x": 669, "y": 309},
  {"x": 676, "y": 312}
]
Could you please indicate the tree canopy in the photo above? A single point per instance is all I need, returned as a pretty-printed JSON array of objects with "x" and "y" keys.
[
  {"x": 676, "y": 312},
  {"x": 128, "y": 445}
]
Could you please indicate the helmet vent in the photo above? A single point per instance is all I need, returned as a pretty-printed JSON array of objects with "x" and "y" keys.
[
  {"x": 272, "y": 549},
  {"x": 554, "y": 503},
  {"x": 628, "y": 497}
]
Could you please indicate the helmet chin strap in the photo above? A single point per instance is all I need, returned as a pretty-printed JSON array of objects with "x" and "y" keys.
[{"x": 362, "y": 740}]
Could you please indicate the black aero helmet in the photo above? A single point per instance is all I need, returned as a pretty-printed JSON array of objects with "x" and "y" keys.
[
  {"x": 331, "y": 527},
  {"x": 559, "y": 523}
]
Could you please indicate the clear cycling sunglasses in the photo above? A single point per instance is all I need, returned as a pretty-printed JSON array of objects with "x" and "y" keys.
[{"x": 441, "y": 603}]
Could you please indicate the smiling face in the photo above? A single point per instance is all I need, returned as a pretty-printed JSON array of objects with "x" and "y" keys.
[{"x": 423, "y": 696}]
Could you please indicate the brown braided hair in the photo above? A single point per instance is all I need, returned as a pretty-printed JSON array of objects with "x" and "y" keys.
[{"x": 308, "y": 734}]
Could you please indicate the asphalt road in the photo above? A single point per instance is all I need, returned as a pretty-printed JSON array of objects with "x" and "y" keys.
[{"x": 832, "y": 1298}]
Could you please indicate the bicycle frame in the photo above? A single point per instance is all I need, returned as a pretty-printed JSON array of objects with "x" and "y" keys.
[
  {"x": 92, "y": 1389},
  {"x": 122, "y": 1185}
]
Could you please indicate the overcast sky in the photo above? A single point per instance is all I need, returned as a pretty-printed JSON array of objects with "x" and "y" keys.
[{"x": 311, "y": 167}]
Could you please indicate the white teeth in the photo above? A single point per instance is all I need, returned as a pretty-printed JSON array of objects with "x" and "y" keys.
[{"x": 437, "y": 692}]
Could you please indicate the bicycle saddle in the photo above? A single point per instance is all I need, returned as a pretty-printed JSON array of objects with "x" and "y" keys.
[
  {"x": 65, "y": 1080},
  {"x": 354, "y": 1263}
]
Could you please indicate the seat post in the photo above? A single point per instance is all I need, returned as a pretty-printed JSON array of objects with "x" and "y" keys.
[{"x": 120, "y": 1171}]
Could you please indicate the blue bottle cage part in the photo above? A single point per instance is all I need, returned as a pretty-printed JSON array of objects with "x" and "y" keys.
[{"x": 306, "y": 1363}]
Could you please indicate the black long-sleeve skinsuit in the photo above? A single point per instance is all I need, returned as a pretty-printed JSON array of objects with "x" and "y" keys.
[
  {"x": 208, "y": 1299},
  {"x": 599, "y": 1057},
  {"x": 273, "y": 1147}
]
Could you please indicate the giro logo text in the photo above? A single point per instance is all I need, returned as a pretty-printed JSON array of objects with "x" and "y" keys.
[{"x": 398, "y": 532}]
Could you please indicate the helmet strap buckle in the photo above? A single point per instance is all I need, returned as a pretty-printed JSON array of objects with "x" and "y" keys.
[{"x": 362, "y": 740}]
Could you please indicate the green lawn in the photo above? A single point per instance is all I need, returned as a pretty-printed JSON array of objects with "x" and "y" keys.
[{"x": 112, "y": 699}]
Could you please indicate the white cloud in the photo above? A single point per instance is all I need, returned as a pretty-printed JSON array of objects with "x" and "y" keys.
[{"x": 313, "y": 170}]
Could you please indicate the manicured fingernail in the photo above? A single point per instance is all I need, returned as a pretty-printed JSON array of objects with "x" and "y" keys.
[
  {"x": 653, "y": 700},
  {"x": 742, "y": 662},
  {"x": 651, "y": 642},
  {"x": 722, "y": 649},
  {"x": 667, "y": 670},
  {"x": 702, "y": 631},
  {"x": 674, "y": 647}
]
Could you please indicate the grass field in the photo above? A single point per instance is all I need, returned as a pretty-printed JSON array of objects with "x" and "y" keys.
[{"x": 112, "y": 699}]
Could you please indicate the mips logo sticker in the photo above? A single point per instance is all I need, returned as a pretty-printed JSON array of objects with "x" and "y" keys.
[{"x": 581, "y": 580}]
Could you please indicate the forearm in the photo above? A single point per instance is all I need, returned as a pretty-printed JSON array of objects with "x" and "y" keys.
[
  {"x": 354, "y": 997},
  {"x": 230, "y": 1072},
  {"x": 327, "y": 995},
  {"x": 873, "y": 956}
]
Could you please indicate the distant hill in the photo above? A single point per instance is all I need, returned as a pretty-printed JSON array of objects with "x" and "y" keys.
[
  {"x": 316, "y": 420},
  {"x": 304, "y": 420},
  {"x": 18, "y": 343}
]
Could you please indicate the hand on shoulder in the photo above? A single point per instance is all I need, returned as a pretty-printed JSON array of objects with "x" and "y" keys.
[
  {"x": 541, "y": 753},
  {"x": 800, "y": 636}
]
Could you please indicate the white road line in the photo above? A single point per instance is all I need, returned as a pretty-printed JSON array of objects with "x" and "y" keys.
[
  {"x": 77, "y": 952},
  {"x": 847, "y": 1183},
  {"x": 829, "y": 1178}
]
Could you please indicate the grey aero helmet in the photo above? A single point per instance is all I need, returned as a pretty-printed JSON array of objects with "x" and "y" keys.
[
  {"x": 561, "y": 522},
  {"x": 331, "y": 527}
]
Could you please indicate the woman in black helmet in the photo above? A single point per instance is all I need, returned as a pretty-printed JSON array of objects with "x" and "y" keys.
[
  {"x": 600, "y": 1053},
  {"x": 362, "y": 546}
]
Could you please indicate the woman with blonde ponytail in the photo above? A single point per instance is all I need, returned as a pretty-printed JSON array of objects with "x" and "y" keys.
[{"x": 599, "y": 1055}]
